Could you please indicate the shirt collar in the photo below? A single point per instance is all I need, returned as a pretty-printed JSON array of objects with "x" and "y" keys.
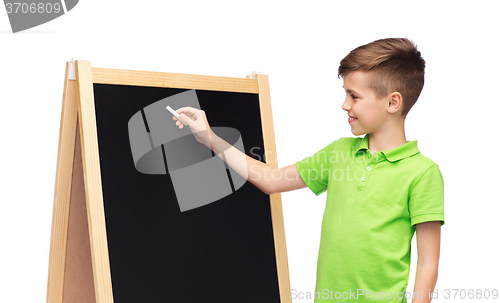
[{"x": 403, "y": 151}]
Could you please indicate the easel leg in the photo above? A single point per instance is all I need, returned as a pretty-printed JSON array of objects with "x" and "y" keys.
[{"x": 78, "y": 277}]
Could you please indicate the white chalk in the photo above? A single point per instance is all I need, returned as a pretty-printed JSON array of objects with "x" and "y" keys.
[{"x": 175, "y": 114}]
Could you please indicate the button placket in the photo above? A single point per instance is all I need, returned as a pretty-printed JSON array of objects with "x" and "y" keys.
[
  {"x": 368, "y": 168},
  {"x": 367, "y": 174},
  {"x": 371, "y": 163},
  {"x": 362, "y": 181}
]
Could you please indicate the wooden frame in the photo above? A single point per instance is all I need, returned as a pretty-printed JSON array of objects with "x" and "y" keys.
[{"x": 79, "y": 251}]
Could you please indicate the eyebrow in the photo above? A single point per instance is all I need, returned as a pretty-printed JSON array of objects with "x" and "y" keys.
[{"x": 350, "y": 90}]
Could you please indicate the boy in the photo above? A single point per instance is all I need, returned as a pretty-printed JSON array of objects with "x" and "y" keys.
[{"x": 381, "y": 189}]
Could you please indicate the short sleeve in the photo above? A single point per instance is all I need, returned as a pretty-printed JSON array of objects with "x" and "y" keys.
[
  {"x": 426, "y": 197},
  {"x": 315, "y": 169}
]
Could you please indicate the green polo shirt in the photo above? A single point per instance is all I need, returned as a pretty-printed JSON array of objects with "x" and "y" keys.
[{"x": 372, "y": 205}]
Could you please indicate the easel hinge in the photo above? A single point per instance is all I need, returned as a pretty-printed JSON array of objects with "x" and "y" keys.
[
  {"x": 252, "y": 75},
  {"x": 72, "y": 74}
]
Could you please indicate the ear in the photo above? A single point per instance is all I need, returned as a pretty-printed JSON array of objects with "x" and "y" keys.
[{"x": 395, "y": 102}]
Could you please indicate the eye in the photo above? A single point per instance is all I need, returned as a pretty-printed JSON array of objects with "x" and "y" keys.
[{"x": 354, "y": 97}]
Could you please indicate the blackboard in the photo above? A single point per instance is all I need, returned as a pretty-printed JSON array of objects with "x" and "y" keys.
[
  {"x": 119, "y": 234},
  {"x": 221, "y": 252}
]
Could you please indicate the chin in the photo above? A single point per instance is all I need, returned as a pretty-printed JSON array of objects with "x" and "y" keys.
[{"x": 357, "y": 133}]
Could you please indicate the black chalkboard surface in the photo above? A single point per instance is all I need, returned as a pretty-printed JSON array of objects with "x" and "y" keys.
[
  {"x": 121, "y": 233},
  {"x": 221, "y": 252}
]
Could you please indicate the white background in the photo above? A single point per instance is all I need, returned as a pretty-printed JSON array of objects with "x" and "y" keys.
[{"x": 299, "y": 45}]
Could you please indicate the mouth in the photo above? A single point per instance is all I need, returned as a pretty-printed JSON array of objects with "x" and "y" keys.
[{"x": 351, "y": 119}]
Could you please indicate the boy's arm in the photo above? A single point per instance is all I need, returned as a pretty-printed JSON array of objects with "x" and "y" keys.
[
  {"x": 428, "y": 246},
  {"x": 264, "y": 176}
]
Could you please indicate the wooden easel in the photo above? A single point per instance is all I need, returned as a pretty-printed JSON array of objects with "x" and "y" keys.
[{"x": 79, "y": 269}]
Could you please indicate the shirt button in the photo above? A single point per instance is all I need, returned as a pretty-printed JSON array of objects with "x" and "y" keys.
[
  {"x": 368, "y": 168},
  {"x": 363, "y": 179}
]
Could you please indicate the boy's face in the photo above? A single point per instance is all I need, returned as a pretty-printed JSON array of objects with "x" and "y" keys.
[{"x": 361, "y": 102}]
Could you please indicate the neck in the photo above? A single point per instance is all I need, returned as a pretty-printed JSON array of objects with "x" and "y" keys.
[{"x": 388, "y": 138}]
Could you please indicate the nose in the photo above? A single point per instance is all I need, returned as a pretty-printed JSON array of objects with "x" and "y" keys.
[{"x": 346, "y": 105}]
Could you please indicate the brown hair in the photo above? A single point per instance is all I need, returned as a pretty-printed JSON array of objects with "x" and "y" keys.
[{"x": 394, "y": 64}]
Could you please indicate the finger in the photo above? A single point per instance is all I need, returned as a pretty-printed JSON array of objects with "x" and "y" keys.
[
  {"x": 188, "y": 111},
  {"x": 185, "y": 119}
]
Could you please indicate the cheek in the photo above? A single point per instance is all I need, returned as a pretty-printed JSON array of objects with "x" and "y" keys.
[
  {"x": 367, "y": 119},
  {"x": 373, "y": 112},
  {"x": 369, "y": 116}
]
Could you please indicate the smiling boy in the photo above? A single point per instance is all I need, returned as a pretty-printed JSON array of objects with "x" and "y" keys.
[
  {"x": 380, "y": 188},
  {"x": 369, "y": 221}
]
